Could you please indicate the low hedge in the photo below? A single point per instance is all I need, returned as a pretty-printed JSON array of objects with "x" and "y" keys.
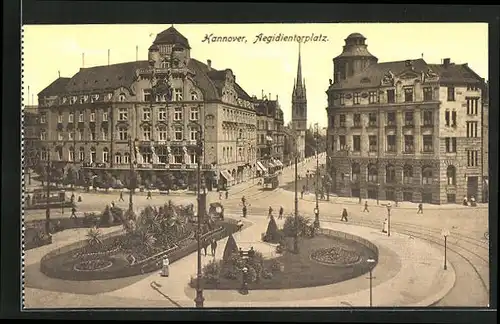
[
  {"x": 53, "y": 264},
  {"x": 52, "y": 205}
]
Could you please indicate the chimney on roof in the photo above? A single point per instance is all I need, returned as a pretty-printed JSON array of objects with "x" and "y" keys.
[
  {"x": 262, "y": 95},
  {"x": 270, "y": 96},
  {"x": 446, "y": 62},
  {"x": 108, "y": 56},
  {"x": 83, "y": 60},
  {"x": 136, "y": 53},
  {"x": 209, "y": 64},
  {"x": 276, "y": 97},
  {"x": 408, "y": 63},
  {"x": 59, "y": 73}
]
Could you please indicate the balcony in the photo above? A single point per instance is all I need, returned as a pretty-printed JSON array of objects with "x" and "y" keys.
[
  {"x": 372, "y": 124},
  {"x": 428, "y": 124},
  {"x": 357, "y": 124},
  {"x": 391, "y": 124},
  {"x": 409, "y": 124}
]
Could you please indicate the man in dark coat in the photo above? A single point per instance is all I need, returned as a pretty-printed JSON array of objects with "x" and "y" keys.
[
  {"x": 344, "y": 215},
  {"x": 213, "y": 246}
]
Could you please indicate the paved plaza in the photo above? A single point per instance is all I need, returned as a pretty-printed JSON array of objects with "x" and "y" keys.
[{"x": 409, "y": 273}]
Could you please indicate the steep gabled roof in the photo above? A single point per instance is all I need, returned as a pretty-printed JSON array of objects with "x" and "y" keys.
[
  {"x": 105, "y": 77},
  {"x": 55, "y": 88}
]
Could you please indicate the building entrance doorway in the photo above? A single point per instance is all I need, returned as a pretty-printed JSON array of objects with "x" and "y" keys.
[{"x": 472, "y": 185}]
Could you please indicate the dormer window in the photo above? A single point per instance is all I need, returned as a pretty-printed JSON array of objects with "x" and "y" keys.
[
  {"x": 122, "y": 97},
  {"x": 82, "y": 99},
  {"x": 64, "y": 100},
  {"x": 178, "y": 94},
  {"x": 85, "y": 98},
  {"x": 109, "y": 96},
  {"x": 94, "y": 98},
  {"x": 165, "y": 65},
  {"x": 194, "y": 96},
  {"x": 73, "y": 100}
]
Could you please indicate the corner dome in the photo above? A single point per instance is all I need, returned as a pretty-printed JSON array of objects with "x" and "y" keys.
[
  {"x": 171, "y": 36},
  {"x": 355, "y": 35}
]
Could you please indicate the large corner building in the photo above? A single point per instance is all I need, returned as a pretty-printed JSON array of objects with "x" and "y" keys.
[
  {"x": 405, "y": 130},
  {"x": 89, "y": 122}
]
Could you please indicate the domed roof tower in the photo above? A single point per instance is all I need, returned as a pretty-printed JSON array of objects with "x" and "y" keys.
[{"x": 354, "y": 58}]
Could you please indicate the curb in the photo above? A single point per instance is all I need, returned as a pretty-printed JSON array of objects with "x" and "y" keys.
[{"x": 433, "y": 300}]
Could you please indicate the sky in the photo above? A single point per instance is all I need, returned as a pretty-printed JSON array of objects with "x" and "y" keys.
[{"x": 259, "y": 66}]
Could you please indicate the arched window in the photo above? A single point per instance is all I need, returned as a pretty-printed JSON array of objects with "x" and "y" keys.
[
  {"x": 93, "y": 155},
  {"x": 118, "y": 158},
  {"x": 122, "y": 97},
  {"x": 356, "y": 171},
  {"x": 372, "y": 173},
  {"x": 105, "y": 155},
  {"x": 451, "y": 175},
  {"x": 71, "y": 154},
  {"x": 240, "y": 133},
  {"x": 81, "y": 154},
  {"x": 408, "y": 174},
  {"x": 426, "y": 175},
  {"x": 126, "y": 158},
  {"x": 390, "y": 173}
]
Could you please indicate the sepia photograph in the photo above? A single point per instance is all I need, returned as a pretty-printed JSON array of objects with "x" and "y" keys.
[{"x": 334, "y": 165}]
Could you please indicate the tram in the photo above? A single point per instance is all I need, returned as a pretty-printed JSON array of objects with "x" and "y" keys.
[{"x": 271, "y": 181}]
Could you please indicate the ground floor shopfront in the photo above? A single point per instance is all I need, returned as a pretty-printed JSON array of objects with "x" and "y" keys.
[{"x": 434, "y": 181}]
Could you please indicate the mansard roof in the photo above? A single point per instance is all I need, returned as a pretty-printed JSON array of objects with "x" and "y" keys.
[
  {"x": 371, "y": 76},
  {"x": 56, "y": 87},
  {"x": 171, "y": 36}
]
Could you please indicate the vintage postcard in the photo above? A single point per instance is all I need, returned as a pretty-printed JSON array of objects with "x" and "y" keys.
[{"x": 255, "y": 165}]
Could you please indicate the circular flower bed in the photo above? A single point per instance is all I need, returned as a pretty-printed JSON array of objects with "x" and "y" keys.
[
  {"x": 93, "y": 265},
  {"x": 335, "y": 256}
]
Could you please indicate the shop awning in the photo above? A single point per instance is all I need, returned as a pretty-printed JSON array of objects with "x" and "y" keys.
[
  {"x": 261, "y": 166},
  {"x": 227, "y": 175}
]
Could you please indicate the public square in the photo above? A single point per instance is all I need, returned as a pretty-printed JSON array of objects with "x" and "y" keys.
[{"x": 409, "y": 270}]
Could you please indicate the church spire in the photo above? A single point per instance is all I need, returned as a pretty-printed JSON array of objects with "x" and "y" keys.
[{"x": 299, "y": 71}]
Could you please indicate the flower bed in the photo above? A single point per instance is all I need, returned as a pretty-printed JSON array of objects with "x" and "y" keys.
[
  {"x": 291, "y": 270},
  {"x": 335, "y": 256},
  {"x": 60, "y": 263},
  {"x": 93, "y": 265}
]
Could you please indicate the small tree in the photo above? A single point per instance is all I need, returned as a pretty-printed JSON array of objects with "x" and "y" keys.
[
  {"x": 231, "y": 247},
  {"x": 273, "y": 235},
  {"x": 289, "y": 229}
]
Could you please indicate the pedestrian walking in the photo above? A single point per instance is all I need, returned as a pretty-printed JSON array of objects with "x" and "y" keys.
[
  {"x": 220, "y": 195},
  {"x": 73, "y": 213},
  {"x": 227, "y": 194},
  {"x": 121, "y": 196},
  {"x": 149, "y": 195},
  {"x": 165, "y": 271},
  {"x": 465, "y": 201},
  {"x": 205, "y": 247},
  {"x": 244, "y": 211},
  {"x": 112, "y": 204},
  {"x": 420, "y": 209},
  {"x": 281, "y": 213},
  {"x": 213, "y": 246},
  {"x": 270, "y": 212},
  {"x": 240, "y": 225},
  {"x": 79, "y": 198},
  {"x": 28, "y": 200},
  {"x": 366, "y": 207},
  {"x": 385, "y": 226},
  {"x": 243, "y": 200},
  {"x": 344, "y": 215},
  {"x": 72, "y": 197}
]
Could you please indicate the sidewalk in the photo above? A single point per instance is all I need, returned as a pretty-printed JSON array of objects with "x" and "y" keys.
[{"x": 383, "y": 203}]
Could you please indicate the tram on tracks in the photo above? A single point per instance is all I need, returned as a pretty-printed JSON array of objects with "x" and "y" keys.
[{"x": 271, "y": 181}]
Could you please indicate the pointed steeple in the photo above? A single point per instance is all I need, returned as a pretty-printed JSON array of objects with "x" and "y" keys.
[{"x": 299, "y": 71}]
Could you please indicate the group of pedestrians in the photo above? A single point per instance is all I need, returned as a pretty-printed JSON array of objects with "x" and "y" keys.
[
  {"x": 223, "y": 193},
  {"x": 213, "y": 246}
]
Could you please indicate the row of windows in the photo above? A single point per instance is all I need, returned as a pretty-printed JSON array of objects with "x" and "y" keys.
[
  {"x": 407, "y": 174},
  {"x": 243, "y": 155},
  {"x": 409, "y": 143},
  {"x": 234, "y": 114},
  {"x": 427, "y": 119},
  {"x": 233, "y": 134},
  {"x": 472, "y": 106},
  {"x": 177, "y": 95}
]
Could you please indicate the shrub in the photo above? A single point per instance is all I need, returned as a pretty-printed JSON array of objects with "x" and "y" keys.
[
  {"x": 117, "y": 213},
  {"x": 211, "y": 271},
  {"x": 272, "y": 235},
  {"x": 252, "y": 275},
  {"x": 106, "y": 217},
  {"x": 230, "y": 249},
  {"x": 289, "y": 226},
  {"x": 129, "y": 214},
  {"x": 276, "y": 266},
  {"x": 266, "y": 274},
  {"x": 91, "y": 219}
]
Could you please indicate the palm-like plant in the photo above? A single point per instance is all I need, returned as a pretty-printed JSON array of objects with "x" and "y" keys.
[
  {"x": 94, "y": 237},
  {"x": 148, "y": 240}
]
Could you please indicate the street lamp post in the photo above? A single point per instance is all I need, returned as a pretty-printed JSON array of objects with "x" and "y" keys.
[
  {"x": 378, "y": 189},
  {"x": 47, "y": 207},
  {"x": 316, "y": 221},
  {"x": 445, "y": 232},
  {"x": 131, "y": 145},
  {"x": 389, "y": 219},
  {"x": 371, "y": 262}
]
